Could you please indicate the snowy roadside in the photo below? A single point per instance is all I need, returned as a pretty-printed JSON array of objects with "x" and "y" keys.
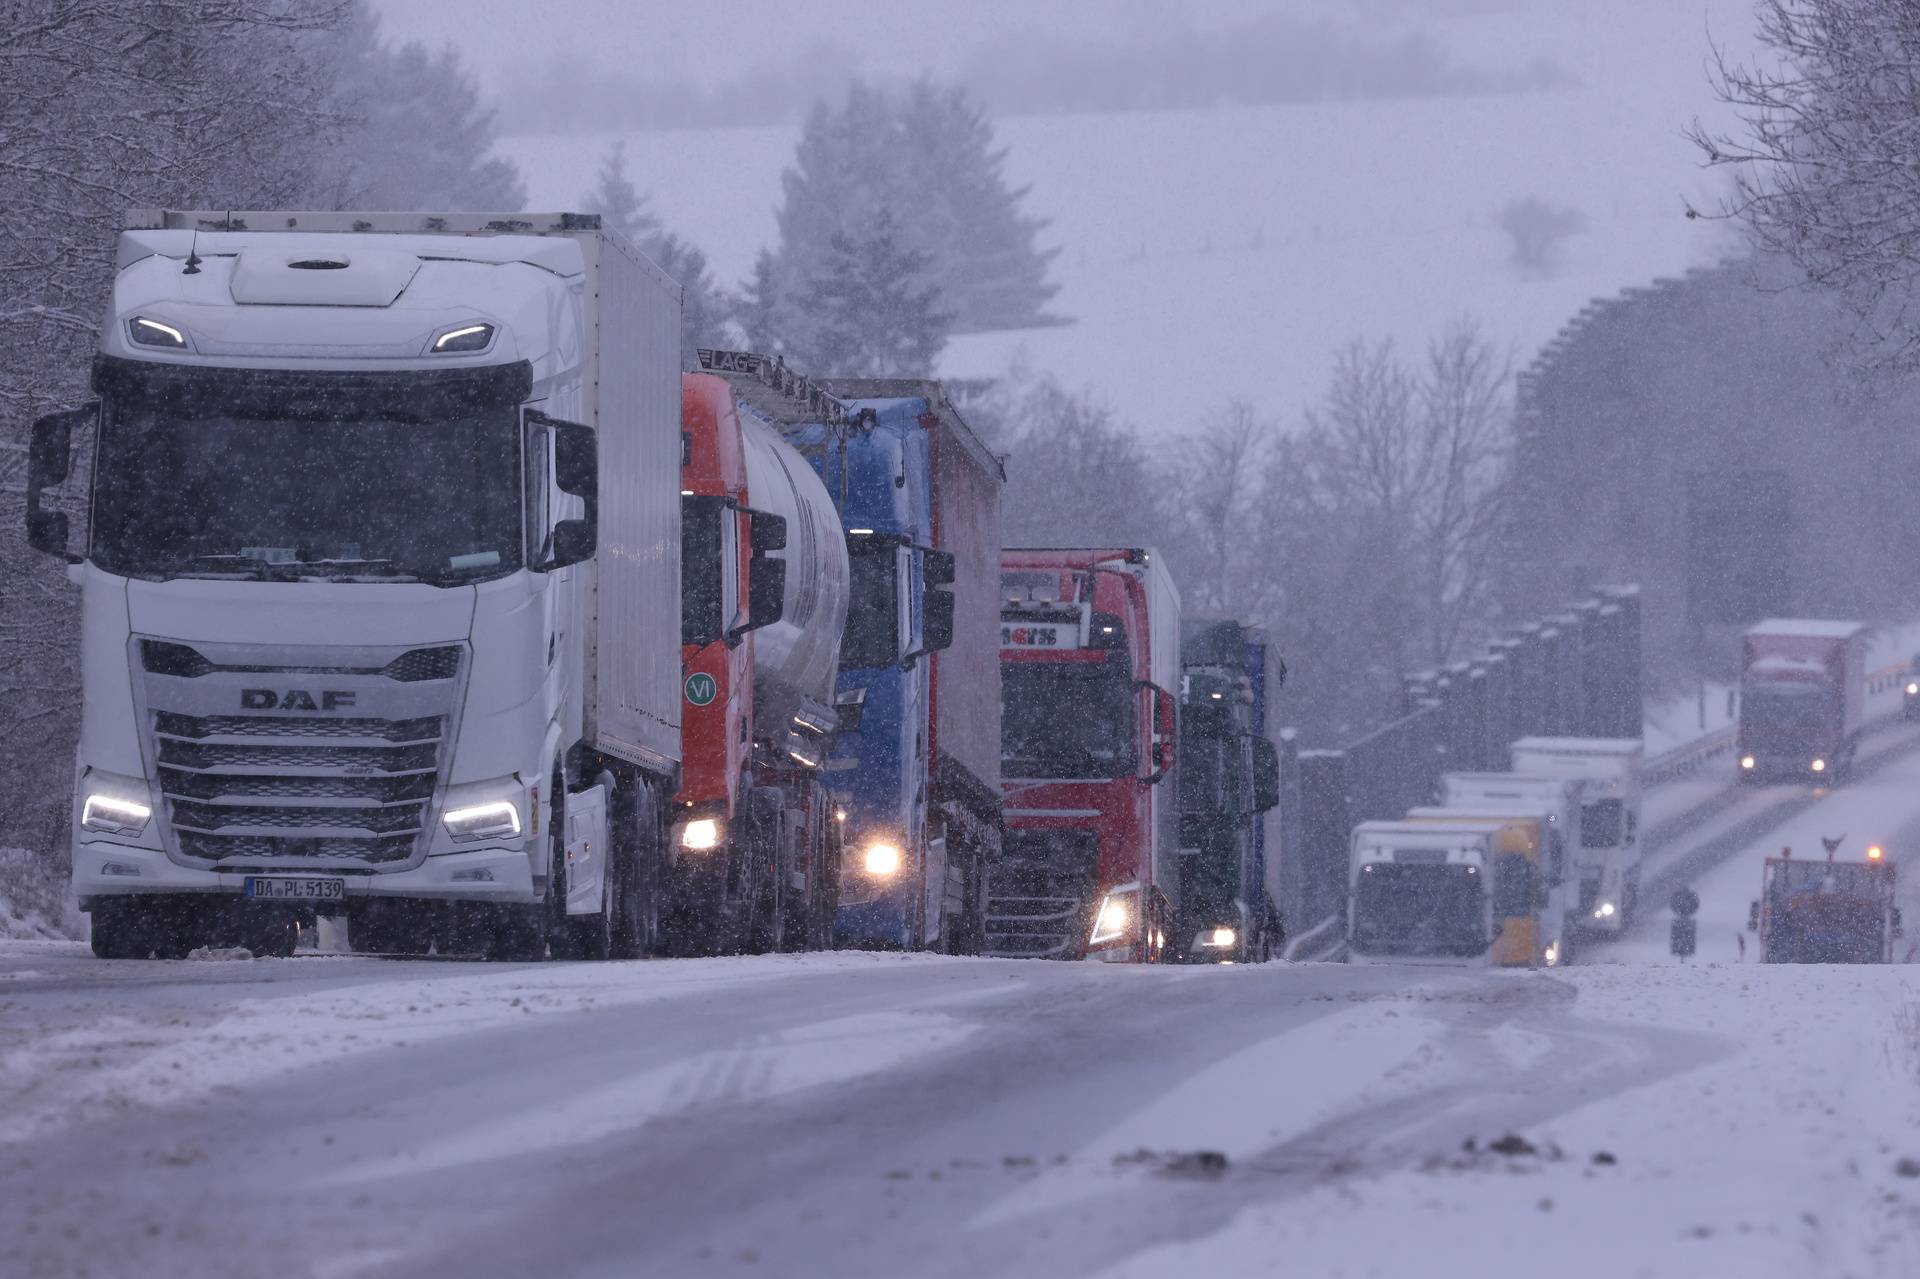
[
  {"x": 1798, "y": 1156},
  {"x": 33, "y": 899}
]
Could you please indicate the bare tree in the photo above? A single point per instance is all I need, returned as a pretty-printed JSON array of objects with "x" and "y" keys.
[
  {"x": 1826, "y": 166},
  {"x": 1412, "y": 461},
  {"x": 1213, "y": 487}
]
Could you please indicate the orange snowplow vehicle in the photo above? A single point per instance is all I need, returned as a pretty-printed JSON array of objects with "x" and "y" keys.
[{"x": 1826, "y": 912}]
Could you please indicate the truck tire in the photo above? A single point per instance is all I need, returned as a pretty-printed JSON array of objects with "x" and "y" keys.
[{"x": 642, "y": 846}]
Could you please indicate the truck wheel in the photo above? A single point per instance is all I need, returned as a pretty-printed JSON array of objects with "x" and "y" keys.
[{"x": 636, "y": 922}]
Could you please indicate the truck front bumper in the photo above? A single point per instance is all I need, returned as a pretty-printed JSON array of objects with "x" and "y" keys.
[{"x": 102, "y": 869}]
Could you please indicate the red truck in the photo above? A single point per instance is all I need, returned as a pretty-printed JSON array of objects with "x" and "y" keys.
[
  {"x": 1803, "y": 690},
  {"x": 753, "y": 863},
  {"x": 1826, "y": 912},
  {"x": 1090, "y": 665}
]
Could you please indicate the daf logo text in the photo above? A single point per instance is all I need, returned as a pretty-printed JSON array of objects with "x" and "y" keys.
[{"x": 296, "y": 699}]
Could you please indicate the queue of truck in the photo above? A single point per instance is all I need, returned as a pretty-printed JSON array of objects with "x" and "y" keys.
[{"x": 421, "y": 586}]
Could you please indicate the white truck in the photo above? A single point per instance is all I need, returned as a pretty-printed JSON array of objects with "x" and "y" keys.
[
  {"x": 1558, "y": 799},
  {"x": 1610, "y": 854},
  {"x": 1424, "y": 893},
  {"x": 380, "y": 584}
]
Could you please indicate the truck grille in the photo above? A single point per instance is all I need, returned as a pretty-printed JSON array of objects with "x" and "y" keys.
[
  {"x": 272, "y": 786},
  {"x": 1040, "y": 894}
]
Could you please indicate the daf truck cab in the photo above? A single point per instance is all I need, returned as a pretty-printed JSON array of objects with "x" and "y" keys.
[
  {"x": 1608, "y": 849},
  {"x": 379, "y": 580}
]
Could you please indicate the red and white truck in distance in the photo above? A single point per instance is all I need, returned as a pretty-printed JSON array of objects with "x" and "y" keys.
[
  {"x": 1803, "y": 690},
  {"x": 754, "y": 859},
  {"x": 1090, "y": 650}
]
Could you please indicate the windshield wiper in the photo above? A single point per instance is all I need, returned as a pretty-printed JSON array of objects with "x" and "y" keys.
[{"x": 357, "y": 570}]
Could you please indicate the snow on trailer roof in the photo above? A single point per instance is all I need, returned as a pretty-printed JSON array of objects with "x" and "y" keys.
[{"x": 1813, "y": 627}]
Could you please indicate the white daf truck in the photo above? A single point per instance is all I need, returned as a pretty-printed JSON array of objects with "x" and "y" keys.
[
  {"x": 380, "y": 582},
  {"x": 1610, "y": 848}
]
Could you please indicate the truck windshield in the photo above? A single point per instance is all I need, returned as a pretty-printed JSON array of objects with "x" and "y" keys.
[
  {"x": 366, "y": 496},
  {"x": 1419, "y": 909},
  {"x": 1066, "y": 719},
  {"x": 1779, "y": 712}
]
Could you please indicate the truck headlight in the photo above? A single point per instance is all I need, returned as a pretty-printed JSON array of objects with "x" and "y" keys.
[
  {"x": 1115, "y": 918},
  {"x": 495, "y": 820},
  {"x": 1746, "y": 761},
  {"x": 1219, "y": 938},
  {"x": 883, "y": 859},
  {"x": 1603, "y": 911},
  {"x": 1913, "y": 689},
  {"x": 1819, "y": 765},
  {"x": 114, "y": 814},
  {"x": 700, "y": 834}
]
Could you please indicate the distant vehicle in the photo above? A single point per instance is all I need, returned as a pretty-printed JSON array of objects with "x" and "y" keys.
[
  {"x": 1090, "y": 661},
  {"x": 1560, "y": 799},
  {"x": 1229, "y": 777},
  {"x": 1536, "y": 928},
  {"x": 1827, "y": 912},
  {"x": 1608, "y": 846},
  {"x": 1803, "y": 696},
  {"x": 1429, "y": 893}
]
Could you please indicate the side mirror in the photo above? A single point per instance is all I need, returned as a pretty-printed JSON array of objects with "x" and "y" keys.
[
  {"x": 1164, "y": 711},
  {"x": 1753, "y": 917},
  {"x": 49, "y": 460},
  {"x": 769, "y": 532},
  {"x": 1899, "y": 930},
  {"x": 573, "y": 542},
  {"x": 936, "y": 621},
  {"x": 576, "y": 459},
  {"x": 766, "y": 593},
  {"x": 1279, "y": 673},
  {"x": 1266, "y": 775},
  {"x": 937, "y": 568}
]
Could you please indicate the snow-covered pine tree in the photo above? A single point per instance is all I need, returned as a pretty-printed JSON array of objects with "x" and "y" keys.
[
  {"x": 620, "y": 204},
  {"x": 875, "y": 314},
  {"x": 992, "y": 274},
  {"x": 624, "y": 207},
  {"x": 420, "y": 137},
  {"x": 926, "y": 157}
]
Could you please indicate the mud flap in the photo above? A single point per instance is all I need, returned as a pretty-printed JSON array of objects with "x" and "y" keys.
[{"x": 588, "y": 848}]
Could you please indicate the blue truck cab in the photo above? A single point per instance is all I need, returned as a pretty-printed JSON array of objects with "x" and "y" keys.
[{"x": 915, "y": 777}]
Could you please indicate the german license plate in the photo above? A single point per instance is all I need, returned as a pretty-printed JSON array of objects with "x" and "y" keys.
[{"x": 290, "y": 888}]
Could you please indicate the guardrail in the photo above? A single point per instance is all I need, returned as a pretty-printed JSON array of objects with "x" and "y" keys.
[
  {"x": 1324, "y": 941},
  {"x": 1684, "y": 761}
]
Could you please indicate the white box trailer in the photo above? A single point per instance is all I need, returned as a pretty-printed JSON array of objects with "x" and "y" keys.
[
  {"x": 1609, "y": 846},
  {"x": 381, "y": 586}
]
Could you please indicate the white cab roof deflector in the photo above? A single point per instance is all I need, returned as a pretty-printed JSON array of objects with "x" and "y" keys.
[{"x": 347, "y": 277}]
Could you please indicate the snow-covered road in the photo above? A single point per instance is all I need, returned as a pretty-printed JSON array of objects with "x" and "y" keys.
[{"x": 856, "y": 1115}]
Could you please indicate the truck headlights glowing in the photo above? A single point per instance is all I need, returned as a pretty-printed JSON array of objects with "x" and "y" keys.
[
  {"x": 1219, "y": 938},
  {"x": 701, "y": 834},
  {"x": 496, "y": 820},
  {"x": 1819, "y": 765},
  {"x": 113, "y": 815},
  {"x": 1913, "y": 689},
  {"x": 145, "y": 332},
  {"x": 1746, "y": 761},
  {"x": 1604, "y": 910},
  {"x": 464, "y": 340},
  {"x": 1115, "y": 919},
  {"x": 883, "y": 859}
]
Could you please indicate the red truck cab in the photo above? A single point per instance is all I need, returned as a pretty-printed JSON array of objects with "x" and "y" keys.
[{"x": 1089, "y": 646}]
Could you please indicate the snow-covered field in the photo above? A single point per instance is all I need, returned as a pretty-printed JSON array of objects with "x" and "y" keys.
[{"x": 1214, "y": 254}]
